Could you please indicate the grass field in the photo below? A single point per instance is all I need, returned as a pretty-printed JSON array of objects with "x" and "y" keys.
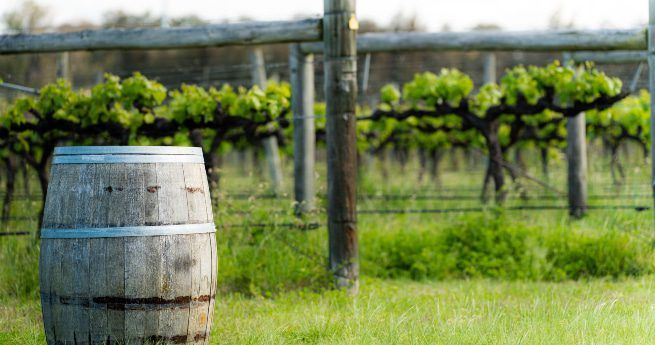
[
  {"x": 407, "y": 312},
  {"x": 492, "y": 277}
]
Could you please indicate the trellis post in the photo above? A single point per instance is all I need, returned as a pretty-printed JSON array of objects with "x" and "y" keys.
[
  {"x": 340, "y": 62},
  {"x": 651, "y": 86},
  {"x": 63, "y": 66},
  {"x": 271, "y": 148},
  {"x": 489, "y": 68},
  {"x": 576, "y": 156},
  {"x": 488, "y": 76},
  {"x": 301, "y": 67}
]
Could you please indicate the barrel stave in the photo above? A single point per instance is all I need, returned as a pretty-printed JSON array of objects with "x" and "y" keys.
[
  {"x": 195, "y": 193},
  {"x": 53, "y": 202},
  {"x": 115, "y": 287},
  {"x": 100, "y": 199},
  {"x": 46, "y": 277},
  {"x": 200, "y": 288},
  {"x": 98, "y": 315},
  {"x": 172, "y": 194},
  {"x": 151, "y": 196}
]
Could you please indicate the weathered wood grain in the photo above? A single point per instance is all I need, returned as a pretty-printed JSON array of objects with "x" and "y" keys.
[
  {"x": 142, "y": 282},
  {"x": 137, "y": 286},
  {"x": 340, "y": 65},
  {"x": 70, "y": 198},
  {"x": 195, "y": 193},
  {"x": 176, "y": 286},
  {"x": 64, "y": 292},
  {"x": 127, "y": 193},
  {"x": 172, "y": 194},
  {"x": 85, "y": 189},
  {"x": 200, "y": 288},
  {"x": 151, "y": 197},
  {"x": 101, "y": 197},
  {"x": 166, "y": 38},
  {"x": 52, "y": 208},
  {"x": 152, "y": 283},
  {"x": 115, "y": 287},
  {"x": 56, "y": 286},
  {"x": 208, "y": 199},
  {"x": 98, "y": 287},
  {"x": 45, "y": 278},
  {"x": 79, "y": 278}
]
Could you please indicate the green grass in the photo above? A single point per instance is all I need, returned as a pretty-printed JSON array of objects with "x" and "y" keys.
[
  {"x": 408, "y": 312},
  {"x": 496, "y": 277},
  {"x": 451, "y": 312}
]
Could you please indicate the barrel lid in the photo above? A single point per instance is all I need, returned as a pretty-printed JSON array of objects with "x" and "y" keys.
[
  {"x": 127, "y": 150},
  {"x": 127, "y": 154}
]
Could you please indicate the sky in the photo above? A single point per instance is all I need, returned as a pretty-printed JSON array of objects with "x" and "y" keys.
[{"x": 459, "y": 15}]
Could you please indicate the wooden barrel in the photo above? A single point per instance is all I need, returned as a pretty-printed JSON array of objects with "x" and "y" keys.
[{"x": 128, "y": 252}]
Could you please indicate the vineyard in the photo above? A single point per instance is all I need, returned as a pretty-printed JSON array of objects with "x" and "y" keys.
[{"x": 439, "y": 210}]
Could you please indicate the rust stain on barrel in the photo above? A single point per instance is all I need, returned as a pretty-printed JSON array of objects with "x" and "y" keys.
[
  {"x": 176, "y": 339},
  {"x": 194, "y": 190},
  {"x": 143, "y": 303}
]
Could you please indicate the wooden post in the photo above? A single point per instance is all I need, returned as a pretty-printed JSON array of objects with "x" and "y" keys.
[
  {"x": 367, "y": 72},
  {"x": 340, "y": 61},
  {"x": 488, "y": 76},
  {"x": 635, "y": 79},
  {"x": 63, "y": 66},
  {"x": 270, "y": 144},
  {"x": 576, "y": 154},
  {"x": 302, "y": 106},
  {"x": 489, "y": 68},
  {"x": 365, "y": 76},
  {"x": 651, "y": 86}
]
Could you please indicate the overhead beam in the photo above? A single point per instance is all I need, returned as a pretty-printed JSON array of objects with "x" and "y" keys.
[
  {"x": 246, "y": 33},
  {"x": 618, "y": 57},
  {"x": 553, "y": 40}
]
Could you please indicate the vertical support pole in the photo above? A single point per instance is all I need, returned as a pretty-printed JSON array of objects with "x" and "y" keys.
[
  {"x": 365, "y": 76},
  {"x": 576, "y": 154},
  {"x": 270, "y": 144},
  {"x": 489, "y": 68},
  {"x": 63, "y": 66},
  {"x": 302, "y": 106},
  {"x": 635, "y": 78},
  {"x": 206, "y": 73},
  {"x": 340, "y": 62},
  {"x": 488, "y": 76},
  {"x": 100, "y": 77},
  {"x": 651, "y": 86}
]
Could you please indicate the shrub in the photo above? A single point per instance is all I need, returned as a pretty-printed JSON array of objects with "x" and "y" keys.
[{"x": 495, "y": 247}]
